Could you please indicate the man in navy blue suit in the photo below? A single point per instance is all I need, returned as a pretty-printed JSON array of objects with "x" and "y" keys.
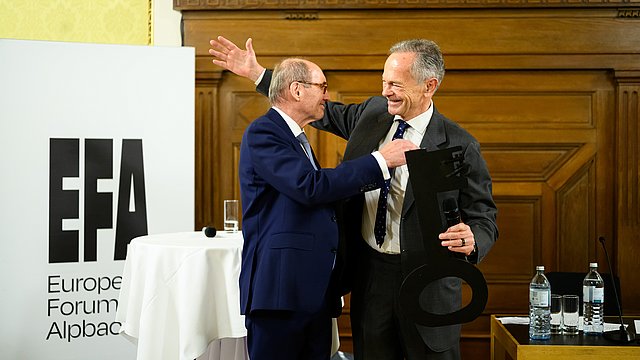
[{"x": 288, "y": 281}]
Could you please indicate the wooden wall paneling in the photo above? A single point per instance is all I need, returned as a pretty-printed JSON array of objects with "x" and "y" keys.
[
  {"x": 206, "y": 152},
  {"x": 471, "y": 39},
  {"x": 491, "y": 32},
  {"x": 576, "y": 223},
  {"x": 605, "y": 169},
  {"x": 549, "y": 228},
  {"x": 518, "y": 248},
  {"x": 627, "y": 247}
]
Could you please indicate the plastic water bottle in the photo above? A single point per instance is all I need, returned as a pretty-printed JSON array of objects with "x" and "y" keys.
[
  {"x": 539, "y": 306},
  {"x": 593, "y": 301}
]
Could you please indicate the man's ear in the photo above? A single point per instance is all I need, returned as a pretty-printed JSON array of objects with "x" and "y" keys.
[
  {"x": 294, "y": 89},
  {"x": 431, "y": 85}
]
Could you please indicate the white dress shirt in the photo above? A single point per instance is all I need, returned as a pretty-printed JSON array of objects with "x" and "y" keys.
[
  {"x": 295, "y": 128},
  {"x": 414, "y": 133}
]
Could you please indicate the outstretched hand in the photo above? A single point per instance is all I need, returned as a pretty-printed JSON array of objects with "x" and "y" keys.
[{"x": 241, "y": 62}]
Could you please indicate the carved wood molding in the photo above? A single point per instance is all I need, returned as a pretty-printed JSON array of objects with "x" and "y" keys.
[
  {"x": 633, "y": 13},
  {"x": 628, "y": 151},
  {"x": 393, "y": 4},
  {"x": 206, "y": 153},
  {"x": 527, "y": 162},
  {"x": 628, "y": 185}
]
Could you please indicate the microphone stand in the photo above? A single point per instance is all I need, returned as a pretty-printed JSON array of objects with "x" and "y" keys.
[{"x": 621, "y": 335}]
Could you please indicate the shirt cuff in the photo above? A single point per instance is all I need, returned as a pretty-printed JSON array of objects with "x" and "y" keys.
[
  {"x": 383, "y": 164},
  {"x": 473, "y": 257},
  {"x": 260, "y": 77}
]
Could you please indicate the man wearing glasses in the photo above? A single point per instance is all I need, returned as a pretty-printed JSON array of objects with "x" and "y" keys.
[{"x": 288, "y": 282}]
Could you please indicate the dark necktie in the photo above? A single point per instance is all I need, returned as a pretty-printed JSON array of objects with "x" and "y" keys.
[
  {"x": 307, "y": 148},
  {"x": 380, "y": 226}
]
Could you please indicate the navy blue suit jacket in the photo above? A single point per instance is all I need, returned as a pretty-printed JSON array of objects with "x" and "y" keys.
[{"x": 289, "y": 222}]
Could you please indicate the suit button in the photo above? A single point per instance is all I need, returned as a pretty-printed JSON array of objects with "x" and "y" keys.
[
  {"x": 333, "y": 250},
  {"x": 333, "y": 218}
]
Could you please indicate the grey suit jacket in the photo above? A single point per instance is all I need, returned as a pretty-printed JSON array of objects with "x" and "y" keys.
[{"x": 364, "y": 125}]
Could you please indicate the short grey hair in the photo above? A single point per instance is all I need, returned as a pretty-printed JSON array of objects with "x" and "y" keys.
[
  {"x": 287, "y": 71},
  {"x": 428, "y": 62}
]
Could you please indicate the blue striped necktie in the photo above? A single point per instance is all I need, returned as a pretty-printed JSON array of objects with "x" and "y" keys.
[{"x": 380, "y": 226}]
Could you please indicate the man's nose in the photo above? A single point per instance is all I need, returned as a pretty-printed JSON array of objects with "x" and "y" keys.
[{"x": 386, "y": 90}]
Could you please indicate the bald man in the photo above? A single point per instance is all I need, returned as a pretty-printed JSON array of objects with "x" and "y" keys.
[{"x": 289, "y": 288}]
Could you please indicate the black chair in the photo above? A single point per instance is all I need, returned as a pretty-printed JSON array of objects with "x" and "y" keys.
[{"x": 570, "y": 283}]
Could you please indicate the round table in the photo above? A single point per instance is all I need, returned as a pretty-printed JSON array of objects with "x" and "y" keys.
[{"x": 179, "y": 297}]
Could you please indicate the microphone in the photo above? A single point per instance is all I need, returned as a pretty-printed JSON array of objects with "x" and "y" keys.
[
  {"x": 451, "y": 212},
  {"x": 209, "y": 231},
  {"x": 621, "y": 335}
]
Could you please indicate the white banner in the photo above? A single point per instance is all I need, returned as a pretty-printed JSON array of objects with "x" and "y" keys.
[{"x": 97, "y": 148}]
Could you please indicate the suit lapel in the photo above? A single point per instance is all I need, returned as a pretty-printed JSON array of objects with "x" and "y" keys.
[
  {"x": 279, "y": 121},
  {"x": 434, "y": 136},
  {"x": 370, "y": 137}
]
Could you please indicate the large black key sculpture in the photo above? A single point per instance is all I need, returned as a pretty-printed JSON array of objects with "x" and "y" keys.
[{"x": 432, "y": 172}]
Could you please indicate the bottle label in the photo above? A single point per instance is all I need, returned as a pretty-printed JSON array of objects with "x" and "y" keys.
[
  {"x": 593, "y": 294},
  {"x": 539, "y": 297}
]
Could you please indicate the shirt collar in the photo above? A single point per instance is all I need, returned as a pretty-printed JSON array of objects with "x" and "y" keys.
[
  {"x": 420, "y": 122},
  {"x": 295, "y": 128}
]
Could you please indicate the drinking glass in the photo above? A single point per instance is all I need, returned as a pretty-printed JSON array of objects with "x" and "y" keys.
[
  {"x": 570, "y": 314},
  {"x": 231, "y": 216},
  {"x": 556, "y": 314}
]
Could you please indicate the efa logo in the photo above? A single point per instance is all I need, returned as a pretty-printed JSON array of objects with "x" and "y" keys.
[{"x": 64, "y": 203}]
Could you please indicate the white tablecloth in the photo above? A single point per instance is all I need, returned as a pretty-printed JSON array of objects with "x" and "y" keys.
[{"x": 179, "y": 296}]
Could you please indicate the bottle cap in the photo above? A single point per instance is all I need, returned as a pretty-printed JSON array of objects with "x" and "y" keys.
[
  {"x": 593, "y": 264},
  {"x": 540, "y": 267}
]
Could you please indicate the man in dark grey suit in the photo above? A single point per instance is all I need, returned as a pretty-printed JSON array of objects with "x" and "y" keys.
[{"x": 380, "y": 228}]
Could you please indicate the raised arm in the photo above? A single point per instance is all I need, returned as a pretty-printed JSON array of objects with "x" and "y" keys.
[
  {"x": 339, "y": 119},
  {"x": 240, "y": 62}
]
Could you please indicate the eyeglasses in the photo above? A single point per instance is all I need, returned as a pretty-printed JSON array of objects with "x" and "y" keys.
[{"x": 323, "y": 86}]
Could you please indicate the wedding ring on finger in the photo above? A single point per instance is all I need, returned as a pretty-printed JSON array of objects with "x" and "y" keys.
[{"x": 463, "y": 242}]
